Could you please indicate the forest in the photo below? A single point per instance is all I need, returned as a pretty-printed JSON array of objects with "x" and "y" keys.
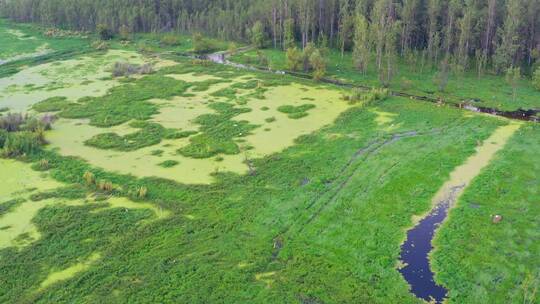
[
  {"x": 270, "y": 151},
  {"x": 485, "y": 35}
]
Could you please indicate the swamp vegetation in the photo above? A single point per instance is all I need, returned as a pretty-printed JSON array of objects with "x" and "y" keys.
[{"x": 132, "y": 173}]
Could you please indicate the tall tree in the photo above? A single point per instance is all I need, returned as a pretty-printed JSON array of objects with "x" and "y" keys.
[
  {"x": 508, "y": 48},
  {"x": 361, "y": 51}
]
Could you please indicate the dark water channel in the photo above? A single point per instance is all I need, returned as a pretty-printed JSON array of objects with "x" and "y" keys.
[{"x": 414, "y": 253}]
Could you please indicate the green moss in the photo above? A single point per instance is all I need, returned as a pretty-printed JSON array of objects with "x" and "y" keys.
[
  {"x": 270, "y": 119},
  {"x": 169, "y": 164}
]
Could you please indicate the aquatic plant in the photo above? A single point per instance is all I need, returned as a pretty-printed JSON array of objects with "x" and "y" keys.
[
  {"x": 217, "y": 132},
  {"x": 169, "y": 163},
  {"x": 366, "y": 97},
  {"x": 22, "y": 134},
  {"x": 19, "y": 143},
  {"x": 121, "y": 69},
  {"x": 296, "y": 112},
  {"x": 89, "y": 178},
  {"x": 53, "y": 104},
  {"x": 44, "y": 164},
  {"x": 105, "y": 186},
  {"x": 126, "y": 102},
  {"x": 149, "y": 134},
  {"x": 142, "y": 192}
]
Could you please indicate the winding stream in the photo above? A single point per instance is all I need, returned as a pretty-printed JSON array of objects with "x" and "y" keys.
[{"x": 418, "y": 245}]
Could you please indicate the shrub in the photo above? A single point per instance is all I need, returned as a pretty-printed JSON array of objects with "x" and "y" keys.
[
  {"x": 262, "y": 59},
  {"x": 170, "y": 40},
  {"x": 318, "y": 63},
  {"x": 233, "y": 48},
  {"x": 536, "y": 79},
  {"x": 124, "y": 33},
  {"x": 20, "y": 143},
  {"x": 256, "y": 34},
  {"x": 294, "y": 59},
  {"x": 202, "y": 45},
  {"x": 104, "y": 32},
  {"x": 12, "y": 122},
  {"x": 406, "y": 84},
  {"x": 143, "y": 47},
  {"x": 366, "y": 98}
]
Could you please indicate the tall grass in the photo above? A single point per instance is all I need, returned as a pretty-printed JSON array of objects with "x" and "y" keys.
[{"x": 22, "y": 134}]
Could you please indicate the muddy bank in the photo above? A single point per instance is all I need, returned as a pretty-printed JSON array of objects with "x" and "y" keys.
[{"x": 418, "y": 245}]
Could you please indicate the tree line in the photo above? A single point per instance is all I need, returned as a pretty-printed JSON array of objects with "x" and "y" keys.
[{"x": 463, "y": 34}]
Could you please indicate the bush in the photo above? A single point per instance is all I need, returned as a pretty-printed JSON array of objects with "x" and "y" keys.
[
  {"x": 12, "y": 122},
  {"x": 318, "y": 63},
  {"x": 202, "y": 45},
  {"x": 124, "y": 33},
  {"x": 21, "y": 134},
  {"x": 262, "y": 58},
  {"x": 366, "y": 98},
  {"x": 406, "y": 84},
  {"x": 104, "y": 32},
  {"x": 256, "y": 34},
  {"x": 294, "y": 59},
  {"x": 536, "y": 79},
  {"x": 170, "y": 40},
  {"x": 20, "y": 143}
]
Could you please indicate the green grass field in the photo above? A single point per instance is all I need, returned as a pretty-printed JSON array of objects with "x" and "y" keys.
[{"x": 202, "y": 183}]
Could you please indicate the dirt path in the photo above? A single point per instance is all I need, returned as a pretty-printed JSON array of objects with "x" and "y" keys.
[{"x": 416, "y": 249}]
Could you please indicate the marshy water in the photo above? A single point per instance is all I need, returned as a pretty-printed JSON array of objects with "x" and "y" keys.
[{"x": 417, "y": 247}]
